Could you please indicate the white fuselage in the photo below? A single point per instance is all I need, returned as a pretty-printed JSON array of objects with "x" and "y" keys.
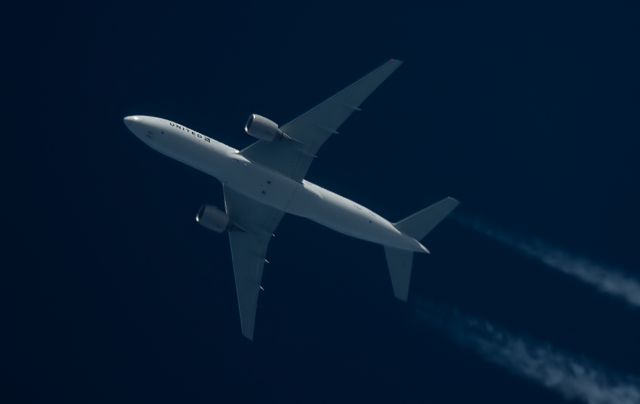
[{"x": 266, "y": 186}]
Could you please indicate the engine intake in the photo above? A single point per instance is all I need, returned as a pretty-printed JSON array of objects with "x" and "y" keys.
[
  {"x": 213, "y": 219},
  {"x": 263, "y": 128}
]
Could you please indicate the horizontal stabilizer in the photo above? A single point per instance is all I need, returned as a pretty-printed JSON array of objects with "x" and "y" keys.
[
  {"x": 417, "y": 226},
  {"x": 399, "y": 262},
  {"x": 421, "y": 223}
]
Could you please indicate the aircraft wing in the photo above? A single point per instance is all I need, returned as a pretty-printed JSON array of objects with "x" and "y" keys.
[
  {"x": 254, "y": 226},
  {"x": 311, "y": 129}
]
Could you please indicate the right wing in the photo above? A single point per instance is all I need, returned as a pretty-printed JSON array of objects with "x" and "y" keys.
[
  {"x": 311, "y": 129},
  {"x": 254, "y": 225}
]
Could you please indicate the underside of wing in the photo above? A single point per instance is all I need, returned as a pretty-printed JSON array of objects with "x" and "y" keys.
[
  {"x": 253, "y": 228},
  {"x": 248, "y": 254},
  {"x": 311, "y": 129}
]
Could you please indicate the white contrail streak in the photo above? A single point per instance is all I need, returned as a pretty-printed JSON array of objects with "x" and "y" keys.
[
  {"x": 574, "y": 378},
  {"x": 607, "y": 280}
]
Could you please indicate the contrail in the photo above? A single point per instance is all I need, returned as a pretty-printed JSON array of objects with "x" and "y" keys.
[
  {"x": 610, "y": 281},
  {"x": 574, "y": 378}
]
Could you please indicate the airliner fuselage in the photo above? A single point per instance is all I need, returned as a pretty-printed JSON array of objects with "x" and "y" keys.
[{"x": 266, "y": 186}]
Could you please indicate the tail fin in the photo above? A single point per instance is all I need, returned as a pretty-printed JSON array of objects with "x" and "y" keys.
[{"x": 417, "y": 226}]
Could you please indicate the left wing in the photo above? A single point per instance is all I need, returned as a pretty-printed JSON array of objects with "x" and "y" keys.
[
  {"x": 311, "y": 129},
  {"x": 254, "y": 224}
]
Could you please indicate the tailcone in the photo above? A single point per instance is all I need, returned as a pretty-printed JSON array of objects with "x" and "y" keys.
[{"x": 423, "y": 249}]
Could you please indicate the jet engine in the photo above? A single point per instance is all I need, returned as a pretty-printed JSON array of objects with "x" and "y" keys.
[
  {"x": 213, "y": 218},
  {"x": 263, "y": 128}
]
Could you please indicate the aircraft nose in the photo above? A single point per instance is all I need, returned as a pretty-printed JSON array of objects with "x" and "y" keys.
[{"x": 132, "y": 122}]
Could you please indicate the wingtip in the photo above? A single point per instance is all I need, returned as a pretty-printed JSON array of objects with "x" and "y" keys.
[
  {"x": 402, "y": 298},
  {"x": 247, "y": 337},
  {"x": 396, "y": 61},
  {"x": 453, "y": 200}
]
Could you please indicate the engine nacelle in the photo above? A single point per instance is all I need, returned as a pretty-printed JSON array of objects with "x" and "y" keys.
[
  {"x": 263, "y": 128},
  {"x": 213, "y": 218}
]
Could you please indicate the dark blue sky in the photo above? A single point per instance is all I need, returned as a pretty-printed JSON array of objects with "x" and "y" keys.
[{"x": 528, "y": 114}]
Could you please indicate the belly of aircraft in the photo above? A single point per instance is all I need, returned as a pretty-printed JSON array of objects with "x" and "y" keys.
[
  {"x": 344, "y": 216},
  {"x": 314, "y": 203},
  {"x": 262, "y": 185}
]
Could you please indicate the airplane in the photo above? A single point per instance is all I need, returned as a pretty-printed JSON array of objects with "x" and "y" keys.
[{"x": 264, "y": 181}]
